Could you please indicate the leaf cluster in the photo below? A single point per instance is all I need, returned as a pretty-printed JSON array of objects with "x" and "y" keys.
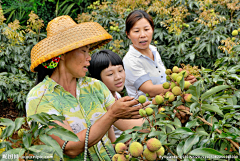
[{"x": 38, "y": 130}]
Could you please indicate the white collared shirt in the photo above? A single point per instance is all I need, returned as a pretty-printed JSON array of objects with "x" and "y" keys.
[{"x": 140, "y": 68}]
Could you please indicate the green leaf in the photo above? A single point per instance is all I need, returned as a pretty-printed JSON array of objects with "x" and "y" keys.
[
  {"x": 27, "y": 140},
  {"x": 38, "y": 148},
  {"x": 18, "y": 122},
  {"x": 8, "y": 131},
  {"x": 190, "y": 142},
  {"x": 123, "y": 138},
  {"x": 63, "y": 133},
  {"x": 192, "y": 123},
  {"x": 213, "y": 91},
  {"x": 155, "y": 133},
  {"x": 48, "y": 140},
  {"x": 201, "y": 131},
  {"x": 208, "y": 152},
  {"x": 212, "y": 108},
  {"x": 5, "y": 121},
  {"x": 17, "y": 151},
  {"x": 180, "y": 149},
  {"x": 183, "y": 130},
  {"x": 177, "y": 122},
  {"x": 135, "y": 128},
  {"x": 38, "y": 118}
]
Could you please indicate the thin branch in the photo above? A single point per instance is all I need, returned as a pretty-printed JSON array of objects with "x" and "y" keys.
[
  {"x": 219, "y": 131},
  {"x": 171, "y": 152}
]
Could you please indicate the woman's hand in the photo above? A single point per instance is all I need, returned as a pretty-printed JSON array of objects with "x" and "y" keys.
[
  {"x": 192, "y": 79},
  {"x": 125, "y": 108},
  {"x": 182, "y": 116}
]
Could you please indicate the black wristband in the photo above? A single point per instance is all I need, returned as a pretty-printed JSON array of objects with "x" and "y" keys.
[{"x": 64, "y": 145}]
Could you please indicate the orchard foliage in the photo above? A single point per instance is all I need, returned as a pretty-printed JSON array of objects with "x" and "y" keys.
[
  {"x": 202, "y": 34},
  {"x": 16, "y": 43},
  {"x": 213, "y": 128}
]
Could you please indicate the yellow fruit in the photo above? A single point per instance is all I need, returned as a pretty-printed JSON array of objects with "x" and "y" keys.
[
  {"x": 174, "y": 76},
  {"x": 160, "y": 110},
  {"x": 188, "y": 97},
  {"x": 233, "y": 38},
  {"x": 153, "y": 144},
  {"x": 168, "y": 78},
  {"x": 185, "y": 74},
  {"x": 20, "y": 132},
  {"x": 179, "y": 78},
  {"x": 176, "y": 90},
  {"x": 166, "y": 85},
  {"x": 168, "y": 71},
  {"x": 147, "y": 95},
  {"x": 187, "y": 84},
  {"x": 115, "y": 157},
  {"x": 142, "y": 99},
  {"x": 168, "y": 94},
  {"x": 175, "y": 69},
  {"x": 136, "y": 149},
  {"x": 150, "y": 156},
  {"x": 159, "y": 99},
  {"x": 171, "y": 98},
  {"x": 142, "y": 112},
  {"x": 121, "y": 157},
  {"x": 149, "y": 111},
  {"x": 161, "y": 151},
  {"x": 235, "y": 32},
  {"x": 120, "y": 148},
  {"x": 172, "y": 85}
]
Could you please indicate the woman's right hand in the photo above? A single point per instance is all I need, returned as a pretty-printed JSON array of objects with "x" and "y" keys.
[{"x": 123, "y": 108}]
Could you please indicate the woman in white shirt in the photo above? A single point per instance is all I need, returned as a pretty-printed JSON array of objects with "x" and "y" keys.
[{"x": 145, "y": 71}]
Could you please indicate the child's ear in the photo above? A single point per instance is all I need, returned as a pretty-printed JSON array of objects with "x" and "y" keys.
[{"x": 127, "y": 35}]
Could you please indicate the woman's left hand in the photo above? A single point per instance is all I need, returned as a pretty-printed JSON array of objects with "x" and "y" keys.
[
  {"x": 192, "y": 79},
  {"x": 182, "y": 116}
]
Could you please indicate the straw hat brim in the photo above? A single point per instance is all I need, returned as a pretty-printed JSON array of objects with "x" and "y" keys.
[{"x": 79, "y": 35}]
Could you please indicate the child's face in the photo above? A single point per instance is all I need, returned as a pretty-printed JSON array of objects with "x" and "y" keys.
[{"x": 114, "y": 78}]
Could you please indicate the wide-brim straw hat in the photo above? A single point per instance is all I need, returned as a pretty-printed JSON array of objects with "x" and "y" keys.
[{"x": 64, "y": 35}]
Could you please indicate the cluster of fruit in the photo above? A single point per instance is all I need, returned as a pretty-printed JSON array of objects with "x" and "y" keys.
[
  {"x": 153, "y": 150},
  {"x": 235, "y": 33},
  {"x": 184, "y": 25},
  {"x": 93, "y": 6},
  {"x": 175, "y": 77},
  {"x": 114, "y": 28}
]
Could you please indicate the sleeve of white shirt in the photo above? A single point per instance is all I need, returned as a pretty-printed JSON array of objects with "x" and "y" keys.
[{"x": 135, "y": 72}]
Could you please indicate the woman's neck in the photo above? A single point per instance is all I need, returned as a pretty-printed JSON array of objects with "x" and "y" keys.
[
  {"x": 64, "y": 79},
  {"x": 147, "y": 52}
]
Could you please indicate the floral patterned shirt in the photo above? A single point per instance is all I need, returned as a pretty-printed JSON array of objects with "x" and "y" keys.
[{"x": 92, "y": 99}]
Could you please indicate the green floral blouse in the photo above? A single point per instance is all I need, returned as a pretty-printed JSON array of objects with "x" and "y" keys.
[{"x": 90, "y": 104}]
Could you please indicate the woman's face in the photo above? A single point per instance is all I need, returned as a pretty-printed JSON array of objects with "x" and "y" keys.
[
  {"x": 77, "y": 61},
  {"x": 141, "y": 34},
  {"x": 113, "y": 77}
]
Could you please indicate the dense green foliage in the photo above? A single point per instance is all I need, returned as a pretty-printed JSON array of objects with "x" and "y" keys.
[
  {"x": 29, "y": 137},
  {"x": 46, "y": 9},
  {"x": 195, "y": 32}
]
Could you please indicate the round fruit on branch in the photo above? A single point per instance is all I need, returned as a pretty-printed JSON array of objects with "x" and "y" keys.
[
  {"x": 142, "y": 99},
  {"x": 136, "y": 149}
]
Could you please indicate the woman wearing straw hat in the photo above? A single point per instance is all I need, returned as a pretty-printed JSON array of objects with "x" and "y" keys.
[{"x": 61, "y": 61}]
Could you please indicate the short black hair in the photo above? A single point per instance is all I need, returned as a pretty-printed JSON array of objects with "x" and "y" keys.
[
  {"x": 42, "y": 73},
  {"x": 101, "y": 60}
]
